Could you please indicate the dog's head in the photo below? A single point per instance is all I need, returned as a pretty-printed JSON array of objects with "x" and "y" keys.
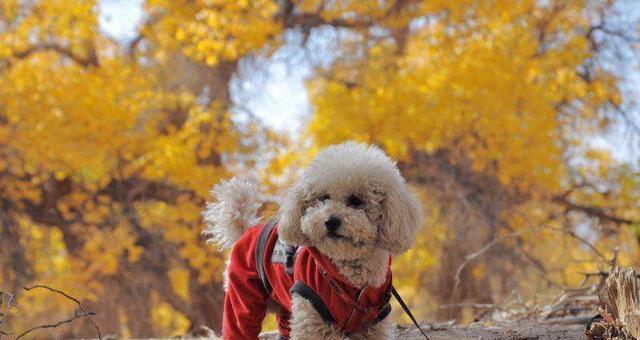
[{"x": 350, "y": 200}]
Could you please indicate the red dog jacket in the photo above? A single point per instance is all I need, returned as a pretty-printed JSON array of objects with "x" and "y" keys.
[{"x": 262, "y": 268}]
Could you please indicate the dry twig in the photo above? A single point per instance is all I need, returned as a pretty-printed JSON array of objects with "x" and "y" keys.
[
  {"x": 603, "y": 274},
  {"x": 580, "y": 239},
  {"x": 76, "y": 315},
  {"x": 473, "y": 256}
]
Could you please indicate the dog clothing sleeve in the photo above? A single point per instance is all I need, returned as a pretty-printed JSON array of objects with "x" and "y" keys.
[{"x": 245, "y": 301}]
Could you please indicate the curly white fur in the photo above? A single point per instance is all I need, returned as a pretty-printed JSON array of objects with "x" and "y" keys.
[
  {"x": 234, "y": 210},
  {"x": 383, "y": 220},
  {"x": 306, "y": 323},
  {"x": 386, "y": 221}
]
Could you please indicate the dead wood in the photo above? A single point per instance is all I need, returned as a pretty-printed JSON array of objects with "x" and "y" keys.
[
  {"x": 80, "y": 312},
  {"x": 76, "y": 315},
  {"x": 620, "y": 299}
]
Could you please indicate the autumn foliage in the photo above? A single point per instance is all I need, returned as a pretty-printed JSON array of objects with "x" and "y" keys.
[{"x": 108, "y": 149}]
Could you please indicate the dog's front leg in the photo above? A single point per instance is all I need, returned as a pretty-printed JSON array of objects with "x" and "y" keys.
[
  {"x": 383, "y": 330},
  {"x": 306, "y": 323}
]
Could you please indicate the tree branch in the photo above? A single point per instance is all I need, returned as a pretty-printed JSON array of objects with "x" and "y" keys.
[
  {"x": 76, "y": 315},
  {"x": 581, "y": 239},
  {"x": 591, "y": 211},
  {"x": 307, "y": 21},
  {"x": 483, "y": 250},
  {"x": 154, "y": 17},
  {"x": 90, "y": 60}
]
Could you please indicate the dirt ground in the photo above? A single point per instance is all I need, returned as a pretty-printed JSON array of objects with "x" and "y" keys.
[{"x": 513, "y": 331}]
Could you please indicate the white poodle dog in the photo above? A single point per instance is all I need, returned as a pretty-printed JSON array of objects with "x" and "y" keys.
[{"x": 323, "y": 264}]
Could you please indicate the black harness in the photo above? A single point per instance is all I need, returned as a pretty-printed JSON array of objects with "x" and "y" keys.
[
  {"x": 286, "y": 254},
  {"x": 260, "y": 250}
]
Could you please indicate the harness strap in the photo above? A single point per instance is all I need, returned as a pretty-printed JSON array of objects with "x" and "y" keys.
[
  {"x": 382, "y": 313},
  {"x": 304, "y": 291},
  {"x": 259, "y": 256},
  {"x": 335, "y": 286},
  {"x": 385, "y": 308},
  {"x": 408, "y": 311}
]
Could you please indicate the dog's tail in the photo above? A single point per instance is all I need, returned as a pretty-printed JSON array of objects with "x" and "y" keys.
[{"x": 234, "y": 210}]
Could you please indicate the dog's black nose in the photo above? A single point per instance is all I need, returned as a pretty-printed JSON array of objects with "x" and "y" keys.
[{"x": 333, "y": 223}]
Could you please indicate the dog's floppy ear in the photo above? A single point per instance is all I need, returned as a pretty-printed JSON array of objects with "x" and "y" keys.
[
  {"x": 290, "y": 216},
  {"x": 404, "y": 217}
]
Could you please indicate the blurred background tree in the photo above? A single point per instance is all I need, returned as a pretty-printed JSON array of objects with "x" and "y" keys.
[{"x": 495, "y": 110}]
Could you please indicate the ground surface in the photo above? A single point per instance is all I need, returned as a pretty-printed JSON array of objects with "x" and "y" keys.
[{"x": 513, "y": 331}]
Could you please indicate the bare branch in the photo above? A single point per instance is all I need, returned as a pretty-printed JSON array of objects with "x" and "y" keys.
[
  {"x": 592, "y": 211},
  {"x": 84, "y": 313},
  {"x": 153, "y": 18},
  {"x": 76, "y": 315},
  {"x": 581, "y": 239},
  {"x": 483, "y": 250},
  {"x": 601, "y": 273},
  {"x": 539, "y": 267},
  {"x": 613, "y": 32}
]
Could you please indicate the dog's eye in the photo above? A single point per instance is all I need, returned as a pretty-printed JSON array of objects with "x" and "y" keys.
[
  {"x": 354, "y": 201},
  {"x": 323, "y": 198}
]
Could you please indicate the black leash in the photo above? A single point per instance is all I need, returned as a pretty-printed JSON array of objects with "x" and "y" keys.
[{"x": 407, "y": 310}]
